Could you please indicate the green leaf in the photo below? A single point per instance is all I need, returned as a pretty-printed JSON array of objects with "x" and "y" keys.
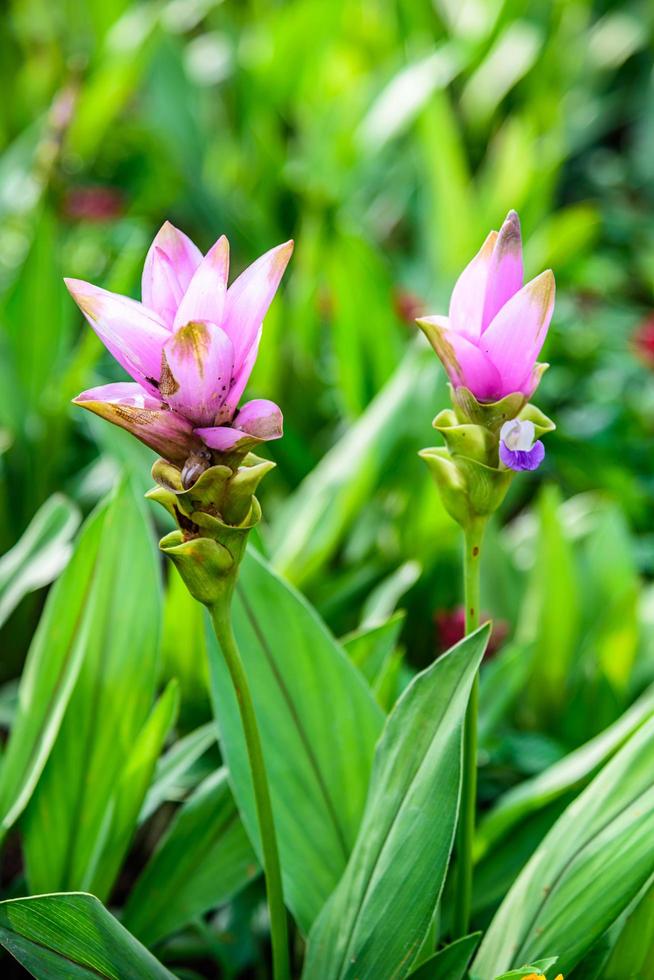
[
  {"x": 51, "y": 670},
  {"x": 183, "y": 650},
  {"x": 376, "y": 920},
  {"x": 449, "y": 963},
  {"x": 112, "y": 698},
  {"x": 315, "y": 518},
  {"x": 538, "y": 967},
  {"x": 370, "y": 647},
  {"x": 40, "y": 554},
  {"x": 501, "y": 682},
  {"x": 572, "y": 772},
  {"x": 587, "y": 870},
  {"x": 71, "y": 937},
  {"x": 633, "y": 952},
  {"x": 131, "y": 787},
  {"x": 173, "y": 768},
  {"x": 551, "y": 610},
  {"x": 319, "y": 724},
  {"x": 204, "y": 859}
]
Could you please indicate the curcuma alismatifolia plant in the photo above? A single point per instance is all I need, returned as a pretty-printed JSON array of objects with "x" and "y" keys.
[
  {"x": 190, "y": 347},
  {"x": 489, "y": 345}
]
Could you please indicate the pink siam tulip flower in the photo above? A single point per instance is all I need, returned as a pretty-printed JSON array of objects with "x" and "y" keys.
[
  {"x": 189, "y": 346},
  {"x": 496, "y": 327}
]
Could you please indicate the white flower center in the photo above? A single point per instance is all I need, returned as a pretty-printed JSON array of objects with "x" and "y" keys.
[{"x": 517, "y": 435}]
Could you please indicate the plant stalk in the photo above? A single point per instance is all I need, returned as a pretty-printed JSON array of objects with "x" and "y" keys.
[
  {"x": 473, "y": 535},
  {"x": 220, "y": 614}
]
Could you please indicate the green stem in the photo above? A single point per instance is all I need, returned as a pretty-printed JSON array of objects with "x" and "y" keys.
[
  {"x": 220, "y": 614},
  {"x": 473, "y": 535}
]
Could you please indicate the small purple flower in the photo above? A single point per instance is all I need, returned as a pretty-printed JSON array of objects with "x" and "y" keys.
[
  {"x": 189, "y": 347},
  {"x": 496, "y": 327},
  {"x": 518, "y": 450}
]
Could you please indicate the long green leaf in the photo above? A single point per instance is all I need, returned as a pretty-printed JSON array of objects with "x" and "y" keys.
[
  {"x": 369, "y": 647},
  {"x": 73, "y": 937},
  {"x": 570, "y": 773},
  {"x": 65, "y": 825},
  {"x": 314, "y": 519},
  {"x": 376, "y": 920},
  {"x": 131, "y": 786},
  {"x": 449, "y": 963},
  {"x": 587, "y": 870},
  {"x": 204, "y": 859},
  {"x": 172, "y": 770},
  {"x": 40, "y": 554},
  {"x": 52, "y": 667},
  {"x": 319, "y": 725}
]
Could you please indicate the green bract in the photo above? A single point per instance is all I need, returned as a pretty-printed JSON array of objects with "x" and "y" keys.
[
  {"x": 213, "y": 519},
  {"x": 470, "y": 477}
]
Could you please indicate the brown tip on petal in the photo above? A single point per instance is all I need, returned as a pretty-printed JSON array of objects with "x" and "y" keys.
[
  {"x": 281, "y": 258},
  {"x": 546, "y": 284},
  {"x": 510, "y": 231},
  {"x": 220, "y": 251},
  {"x": 489, "y": 244}
]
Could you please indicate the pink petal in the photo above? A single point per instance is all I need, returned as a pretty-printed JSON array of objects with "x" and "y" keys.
[
  {"x": 465, "y": 363},
  {"x": 249, "y": 297},
  {"x": 198, "y": 360},
  {"x": 505, "y": 269},
  {"x": 131, "y": 333},
  {"x": 204, "y": 298},
  {"x": 467, "y": 301},
  {"x": 261, "y": 418},
  {"x": 169, "y": 266},
  {"x": 224, "y": 439},
  {"x": 514, "y": 338},
  {"x": 133, "y": 408},
  {"x": 242, "y": 376},
  {"x": 258, "y": 421}
]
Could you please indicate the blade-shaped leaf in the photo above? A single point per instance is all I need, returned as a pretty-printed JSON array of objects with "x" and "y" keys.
[
  {"x": 172, "y": 771},
  {"x": 449, "y": 963},
  {"x": 51, "y": 670},
  {"x": 310, "y": 526},
  {"x": 589, "y": 867},
  {"x": 376, "y": 920},
  {"x": 632, "y": 954},
  {"x": 40, "y": 554},
  {"x": 571, "y": 772},
  {"x": 204, "y": 859},
  {"x": 131, "y": 787},
  {"x": 65, "y": 824},
  {"x": 65, "y": 936},
  {"x": 370, "y": 646},
  {"x": 319, "y": 723}
]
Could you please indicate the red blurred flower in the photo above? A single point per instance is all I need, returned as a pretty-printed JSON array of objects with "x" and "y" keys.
[
  {"x": 407, "y": 305},
  {"x": 450, "y": 628},
  {"x": 93, "y": 204},
  {"x": 643, "y": 341}
]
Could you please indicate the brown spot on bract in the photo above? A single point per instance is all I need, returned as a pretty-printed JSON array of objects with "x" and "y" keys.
[
  {"x": 137, "y": 416},
  {"x": 167, "y": 385}
]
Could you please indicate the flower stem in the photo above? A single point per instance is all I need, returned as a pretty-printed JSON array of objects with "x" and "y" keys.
[
  {"x": 220, "y": 614},
  {"x": 473, "y": 535}
]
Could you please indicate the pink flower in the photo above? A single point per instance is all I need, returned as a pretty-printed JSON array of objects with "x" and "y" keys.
[
  {"x": 189, "y": 346},
  {"x": 496, "y": 326}
]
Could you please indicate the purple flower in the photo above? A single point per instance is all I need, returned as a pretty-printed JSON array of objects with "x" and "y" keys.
[
  {"x": 518, "y": 450},
  {"x": 496, "y": 326},
  {"x": 189, "y": 346}
]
